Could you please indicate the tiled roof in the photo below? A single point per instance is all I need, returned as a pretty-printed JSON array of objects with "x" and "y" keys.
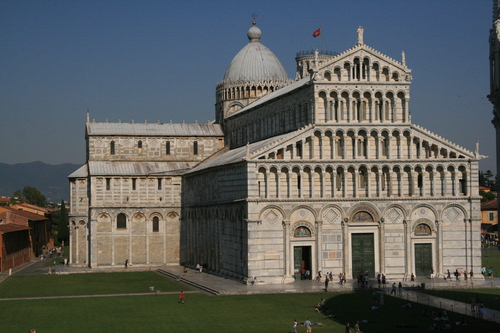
[
  {"x": 24, "y": 214},
  {"x": 489, "y": 205},
  {"x": 12, "y": 227}
]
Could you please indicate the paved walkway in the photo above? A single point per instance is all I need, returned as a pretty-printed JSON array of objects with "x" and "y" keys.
[{"x": 225, "y": 286}]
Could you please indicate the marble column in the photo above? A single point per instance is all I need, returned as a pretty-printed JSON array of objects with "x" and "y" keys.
[
  {"x": 381, "y": 233},
  {"x": 319, "y": 245},
  {"x": 439, "y": 246},
  {"x": 345, "y": 243},
  {"x": 407, "y": 235},
  {"x": 286, "y": 249}
]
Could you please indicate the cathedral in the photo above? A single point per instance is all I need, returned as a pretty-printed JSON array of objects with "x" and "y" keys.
[{"x": 322, "y": 172}]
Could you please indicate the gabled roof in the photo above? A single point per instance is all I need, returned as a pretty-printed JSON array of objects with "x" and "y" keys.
[
  {"x": 112, "y": 168},
  {"x": 366, "y": 49},
  {"x": 155, "y": 129}
]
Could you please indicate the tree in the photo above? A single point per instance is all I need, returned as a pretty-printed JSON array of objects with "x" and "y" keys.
[
  {"x": 63, "y": 224},
  {"x": 60, "y": 221},
  {"x": 487, "y": 196},
  {"x": 32, "y": 196}
]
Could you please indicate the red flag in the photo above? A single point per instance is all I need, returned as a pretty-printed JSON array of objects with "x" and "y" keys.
[{"x": 317, "y": 33}]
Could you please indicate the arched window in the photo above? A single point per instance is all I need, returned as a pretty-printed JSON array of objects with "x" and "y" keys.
[
  {"x": 112, "y": 148},
  {"x": 167, "y": 148},
  {"x": 139, "y": 144},
  {"x": 156, "y": 224},
  {"x": 121, "y": 221}
]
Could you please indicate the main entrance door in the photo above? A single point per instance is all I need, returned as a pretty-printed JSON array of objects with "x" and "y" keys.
[
  {"x": 363, "y": 254},
  {"x": 301, "y": 259},
  {"x": 423, "y": 259}
]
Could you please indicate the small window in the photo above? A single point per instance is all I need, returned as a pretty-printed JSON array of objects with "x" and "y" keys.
[
  {"x": 134, "y": 184},
  {"x": 159, "y": 183},
  {"x": 139, "y": 144},
  {"x": 167, "y": 148},
  {"x": 195, "y": 148},
  {"x": 121, "y": 221},
  {"x": 108, "y": 184},
  {"x": 156, "y": 224},
  {"x": 112, "y": 148},
  {"x": 491, "y": 217}
]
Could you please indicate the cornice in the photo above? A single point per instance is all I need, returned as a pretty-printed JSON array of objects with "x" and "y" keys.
[{"x": 333, "y": 200}]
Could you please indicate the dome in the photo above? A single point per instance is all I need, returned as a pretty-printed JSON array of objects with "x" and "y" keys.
[{"x": 255, "y": 62}]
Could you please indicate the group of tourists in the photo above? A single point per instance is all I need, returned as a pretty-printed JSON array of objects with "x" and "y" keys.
[
  {"x": 329, "y": 277},
  {"x": 490, "y": 272},
  {"x": 457, "y": 275},
  {"x": 477, "y": 307}
]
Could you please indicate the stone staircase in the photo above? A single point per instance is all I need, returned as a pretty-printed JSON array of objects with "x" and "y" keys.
[{"x": 190, "y": 282}]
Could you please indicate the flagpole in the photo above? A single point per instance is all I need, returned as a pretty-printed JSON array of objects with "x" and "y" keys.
[{"x": 321, "y": 39}]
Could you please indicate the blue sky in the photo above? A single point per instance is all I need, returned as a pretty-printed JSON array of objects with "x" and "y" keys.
[{"x": 160, "y": 60}]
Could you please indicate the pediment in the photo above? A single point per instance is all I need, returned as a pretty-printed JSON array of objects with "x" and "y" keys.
[{"x": 363, "y": 53}]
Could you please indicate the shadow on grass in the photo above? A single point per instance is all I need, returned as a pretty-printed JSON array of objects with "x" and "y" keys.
[
  {"x": 489, "y": 297},
  {"x": 394, "y": 316}
]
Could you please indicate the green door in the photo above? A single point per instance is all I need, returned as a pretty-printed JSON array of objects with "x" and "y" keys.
[
  {"x": 297, "y": 262},
  {"x": 363, "y": 254},
  {"x": 301, "y": 260},
  {"x": 423, "y": 259}
]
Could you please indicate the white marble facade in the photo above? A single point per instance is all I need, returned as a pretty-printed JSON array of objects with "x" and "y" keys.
[{"x": 325, "y": 172}]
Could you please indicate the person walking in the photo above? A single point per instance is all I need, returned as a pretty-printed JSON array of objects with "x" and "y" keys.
[
  {"x": 400, "y": 289},
  {"x": 294, "y": 326},
  {"x": 327, "y": 280},
  {"x": 393, "y": 290},
  {"x": 383, "y": 280},
  {"x": 308, "y": 326},
  {"x": 181, "y": 297},
  {"x": 347, "y": 328}
]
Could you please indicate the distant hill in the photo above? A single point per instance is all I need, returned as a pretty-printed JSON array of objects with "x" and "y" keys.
[{"x": 51, "y": 180}]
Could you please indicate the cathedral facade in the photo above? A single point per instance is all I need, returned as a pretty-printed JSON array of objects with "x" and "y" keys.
[{"x": 325, "y": 172}]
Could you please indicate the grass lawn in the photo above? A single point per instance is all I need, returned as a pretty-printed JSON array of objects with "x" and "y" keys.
[
  {"x": 492, "y": 260},
  {"x": 85, "y": 284},
  {"x": 201, "y": 312}
]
